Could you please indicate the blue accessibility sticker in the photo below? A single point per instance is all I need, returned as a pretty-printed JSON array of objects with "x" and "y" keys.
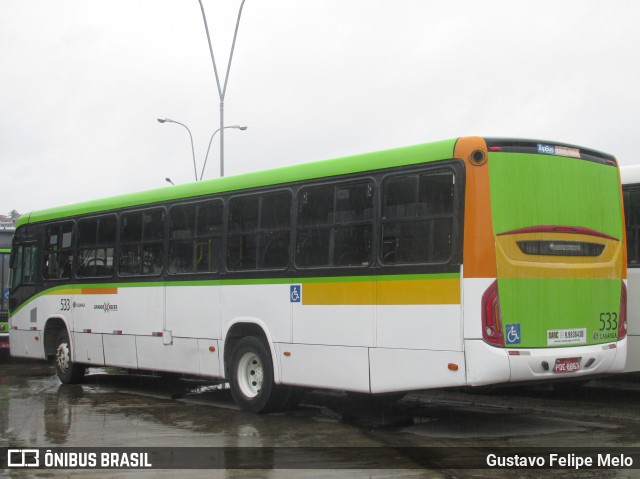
[
  {"x": 295, "y": 293},
  {"x": 5, "y": 293},
  {"x": 513, "y": 334}
]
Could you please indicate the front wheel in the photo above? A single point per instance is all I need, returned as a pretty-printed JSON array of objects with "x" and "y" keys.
[
  {"x": 67, "y": 371},
  {"x": 251, "y": 376}
]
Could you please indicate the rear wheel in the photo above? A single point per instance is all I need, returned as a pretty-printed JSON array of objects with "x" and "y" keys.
[
  {"x": 67, "y": 371},
  {"x": 251, "y": 377}
]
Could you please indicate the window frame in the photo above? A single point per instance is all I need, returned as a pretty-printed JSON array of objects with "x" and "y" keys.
[
  {"x": 221, "y": 235},
  {"x": 142, "y": 242}
]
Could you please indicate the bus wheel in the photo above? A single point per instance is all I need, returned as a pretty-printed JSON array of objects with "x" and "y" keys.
[
  {"x": 251, "y": 376},
  {"x": 68, "y": 372}
]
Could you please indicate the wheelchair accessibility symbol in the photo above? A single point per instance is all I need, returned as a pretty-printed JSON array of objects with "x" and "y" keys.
[
  {"x": 295, "y": 293},
  {"x": 513, "y": 334}
]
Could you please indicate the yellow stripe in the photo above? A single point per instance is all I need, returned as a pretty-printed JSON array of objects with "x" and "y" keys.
[
  {"x": 432, "y": 291},
  {"x": 513, "y": 263}
]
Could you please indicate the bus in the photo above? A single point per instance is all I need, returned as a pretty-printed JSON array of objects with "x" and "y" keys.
[
  {"x": 631, "y": 189},
  {"x": 465, "y": 262},
  {"x": 6, "y": 234}
]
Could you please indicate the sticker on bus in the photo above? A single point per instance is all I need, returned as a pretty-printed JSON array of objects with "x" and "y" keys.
[
  {"x": 295, "y": 293},
  {"x": 513, "y": 334},
  {"x": 558, "y": 150},
  {"x": 557, "y": 337}
]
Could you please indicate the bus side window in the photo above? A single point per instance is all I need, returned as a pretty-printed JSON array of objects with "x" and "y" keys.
[
  {"x": 335, "y": 225},
  {"x": 417, "y": 218},
  {"x": 96, "y": 246},
  {"x": 58, "y": 257},
  {"x": 141, "y": 243},
  {"x": 259, "y": 231},
  {"x": 195, "y": 237},
  {"x": 632, "y": 217}
]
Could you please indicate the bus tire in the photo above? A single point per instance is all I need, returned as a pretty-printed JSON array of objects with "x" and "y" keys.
[
  {"x": 251, "y": 377},
  {"x": 67, "y": 371}
]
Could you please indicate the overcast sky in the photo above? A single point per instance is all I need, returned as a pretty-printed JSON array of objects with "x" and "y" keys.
[{"x": 82, "y": 83}]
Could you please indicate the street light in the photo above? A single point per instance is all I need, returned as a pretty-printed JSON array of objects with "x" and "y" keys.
[
  {"x": 193, "y": 153},
  {"x": 238, "y": 127},
  {"x": 221, "y": 90}
]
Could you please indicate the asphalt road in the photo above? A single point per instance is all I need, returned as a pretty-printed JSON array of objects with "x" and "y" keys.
[{"x": 428, "y": 434}]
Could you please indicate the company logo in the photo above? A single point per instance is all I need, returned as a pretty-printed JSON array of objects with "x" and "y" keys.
[
  {"x": 78, "y": 305},
  {"x": 546, "y": 149},
  {"x": 107, "y": 307},
  {"x": 23, "y": 458},
  {"x": 558, "y": 150},
  {"x": 565, "y": 247}
]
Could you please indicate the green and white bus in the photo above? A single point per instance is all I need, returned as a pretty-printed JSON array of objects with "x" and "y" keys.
[
  {"x": 469, "y": 261},
  {"x": 6, "y": 234}
]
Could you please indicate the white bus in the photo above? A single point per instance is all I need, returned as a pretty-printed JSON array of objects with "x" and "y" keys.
[
  {"x": 469, "y": 261},
  {"x": 631, "y": 191}
]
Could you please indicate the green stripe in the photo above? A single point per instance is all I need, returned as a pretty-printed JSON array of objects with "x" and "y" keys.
[{"x": 409, "y": 155}]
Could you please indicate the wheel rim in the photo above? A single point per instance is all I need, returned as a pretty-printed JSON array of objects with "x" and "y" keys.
[
  {"x": 250, "y": 374},
  {"x": 63, "y": 357}
]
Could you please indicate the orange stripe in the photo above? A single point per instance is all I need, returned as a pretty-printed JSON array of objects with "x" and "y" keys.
[
  {"x": 99, "y": 291},
  {"x": 479, "y": 241}
]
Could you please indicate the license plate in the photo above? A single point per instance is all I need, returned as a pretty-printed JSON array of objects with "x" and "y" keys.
[
  {"x": 567, "y": 365},
  {"x": 4, "y": 345}
]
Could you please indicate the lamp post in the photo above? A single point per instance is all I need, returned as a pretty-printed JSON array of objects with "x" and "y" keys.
[
  {"x": 193, "y": 153},
  {"x": 238, "y": 127},
  {"x": 221, "y": 90}
]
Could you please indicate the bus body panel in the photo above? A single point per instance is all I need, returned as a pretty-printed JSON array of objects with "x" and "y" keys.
[
  {"x": 27, "y": 344},
  {"x": 333, "y": 367},
  {"x": 193, "y": 310},
  {"x": 120, "y": 350},
  {"x": 428, "y": 327},
  {"x": 178, "y": 355},
  {"x": 264, "y": 304},
  {"x": 88, "y": 348},
  {"x": 412, "y": 369},
  {"x": 485, "y": 364}
]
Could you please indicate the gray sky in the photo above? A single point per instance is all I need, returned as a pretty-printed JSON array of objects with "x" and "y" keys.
[{"x": 82, "y": 83}]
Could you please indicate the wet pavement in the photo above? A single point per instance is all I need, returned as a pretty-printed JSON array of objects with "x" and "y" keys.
[{"x": 111, "y": 409}]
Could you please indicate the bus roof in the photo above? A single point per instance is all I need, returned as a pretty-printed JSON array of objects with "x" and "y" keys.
[{"x": 427, "y": 152}]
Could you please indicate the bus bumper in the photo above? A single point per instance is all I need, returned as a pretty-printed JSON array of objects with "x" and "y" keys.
[{"x": 490, "y": 365}]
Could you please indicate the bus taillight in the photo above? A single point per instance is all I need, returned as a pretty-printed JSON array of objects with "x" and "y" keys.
[
  {"x": 491, "y": 321},
  {"x": 622, "y": 323}
]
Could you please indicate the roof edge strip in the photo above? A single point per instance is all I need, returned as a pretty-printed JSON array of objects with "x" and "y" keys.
[{"x": 409, "y": 155}]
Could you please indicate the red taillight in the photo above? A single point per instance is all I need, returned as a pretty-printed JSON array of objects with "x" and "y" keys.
[
  {"x": 622, "y": 322},
  {"x": 491, "y": 321}
]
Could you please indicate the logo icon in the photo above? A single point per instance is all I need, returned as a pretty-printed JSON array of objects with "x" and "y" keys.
[
  {"x": 295, "y": 293},
  {"x": 513, "y": 334},
  {"x": 23, "y": 458}
]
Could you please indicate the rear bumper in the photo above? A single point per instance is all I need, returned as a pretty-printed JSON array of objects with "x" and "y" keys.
[{"x": 489, "y": 365}]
